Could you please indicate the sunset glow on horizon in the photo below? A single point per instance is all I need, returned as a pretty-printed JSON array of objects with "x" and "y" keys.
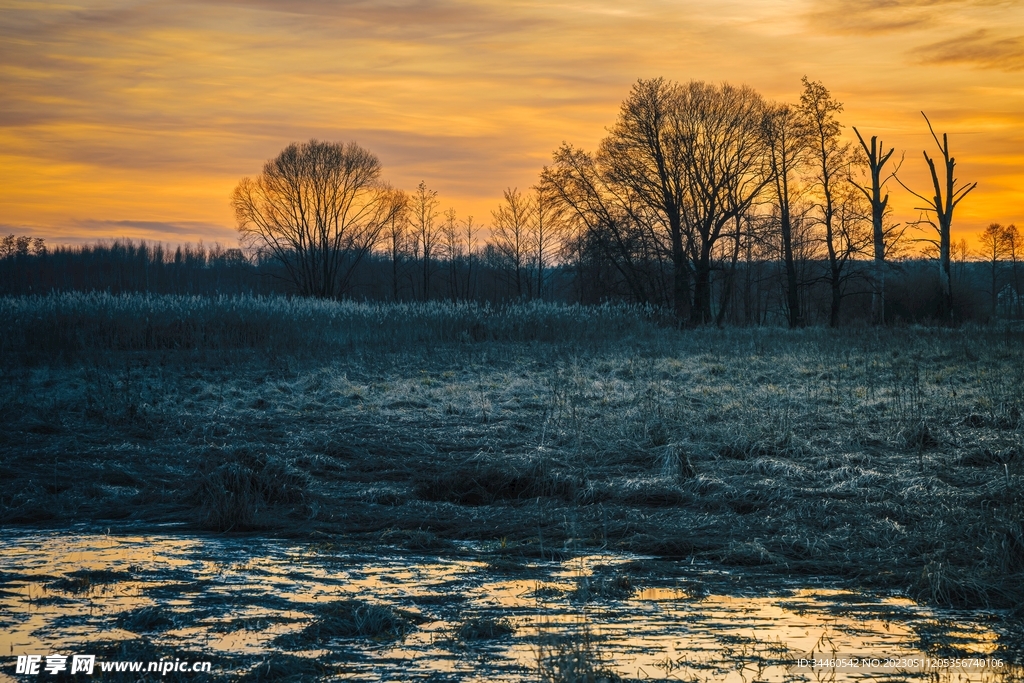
[{"x": 132, "y": 118}]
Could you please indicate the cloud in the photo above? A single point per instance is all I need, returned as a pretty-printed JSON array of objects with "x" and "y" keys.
[
  {"x": 91, "y": 230},
  {"x": 438, "y": 18},
  {"x": 887, "y": 16},
  {"x": 980, "y": 48},
  {"x": 12, "y": 229},
  {"x": 871, "y": 16},
  {"x": 155, "y": 229}
]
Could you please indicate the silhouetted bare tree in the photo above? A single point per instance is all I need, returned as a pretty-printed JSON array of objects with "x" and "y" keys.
[
  {"x": 545, "y": 232},
  {"x": 837, "y": 209},
  {"x": 317, "y": 208},
  {"x": 1012, "y": 237},
  {"x": 510, "y": 235},
  {"x": 995, "y": 247},
  {"x": 720, "y": 130},
  {"x": 396, "y": 238},
  {"x": 22, "y": 245},
  {"x": 876, "y": 160},
  {"x": 788, "y": 142},
  {"x": 471, "y": 231},
  {"x": 602, "y": 220},
  {"x": 451, "y": 242},
  {"x": 423, "y": 219},
  {"x": 680, "y": 164},
  {"x": 644, "y": 164},
  {"x": 948, "y": 194}
]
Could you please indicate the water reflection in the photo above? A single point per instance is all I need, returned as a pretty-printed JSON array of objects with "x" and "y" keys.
[{"x": 239, "y": 601}]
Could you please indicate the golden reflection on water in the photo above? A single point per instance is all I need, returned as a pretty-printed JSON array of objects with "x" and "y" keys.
[{"x": 234, "y": 597}]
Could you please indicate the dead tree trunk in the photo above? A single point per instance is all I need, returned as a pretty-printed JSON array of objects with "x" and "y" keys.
[
  {"x": 947, "y": 197},
  {"x": 876, "y": 160}
]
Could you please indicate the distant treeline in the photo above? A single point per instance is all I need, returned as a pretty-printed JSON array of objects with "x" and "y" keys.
[
  {"x": 753, "y": 292},
  {"x": 706, "y": 200}
]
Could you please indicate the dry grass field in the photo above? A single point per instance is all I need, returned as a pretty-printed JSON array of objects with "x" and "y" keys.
[{"x": 889, "y": 458}]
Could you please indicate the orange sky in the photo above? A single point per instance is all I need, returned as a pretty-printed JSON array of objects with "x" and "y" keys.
[{"x": 137, "y": 118}]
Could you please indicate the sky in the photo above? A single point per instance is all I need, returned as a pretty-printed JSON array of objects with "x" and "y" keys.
[{"x": 132, "y": 118}]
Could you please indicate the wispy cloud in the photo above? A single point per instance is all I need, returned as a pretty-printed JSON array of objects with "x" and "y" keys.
[
  {"x": 981, "y": 48},
  {"x": 90, "y": 230},
  {"x": 154, "y": 229},
  {"x": 885, "y": 16},
  {"x": 871, "y": 16}
]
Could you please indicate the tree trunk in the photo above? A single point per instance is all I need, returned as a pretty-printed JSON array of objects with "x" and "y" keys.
[
  {"x": 700, "y": 313},
  {"x": 995, "y": 284},
  {"x": 426, "y": 276},
  {"x": 792, "y": 293},
  {"x": 945, "y": 273},
  {"x": 680, "y": 279},
  {"x": 394, "y": 279},
  {"x": 727, "y": 287},
  {"x": 1016, "y": 288},
  {"x": 837, "y": 299},
  {"x": 878, "y": 293}
]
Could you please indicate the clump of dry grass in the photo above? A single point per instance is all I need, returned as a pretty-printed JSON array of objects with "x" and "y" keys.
[
  {"x": 233, "y": 490},
  {"x": 485, "y": 628},
  {"x": 748, "y": 554},
  {"x": 283, "y": 668},
  {"x": 673, "y": 463},
  {"x": 85, "y": 580},
  {"x": 573, "y": 657},
  {"x": 941, "y": 583},
  {"x": 615, "y": 587},
  {"x": 483, "y": 481},
  {"x": 147, "y": 619},
  {"x": 353, "y": 619}
]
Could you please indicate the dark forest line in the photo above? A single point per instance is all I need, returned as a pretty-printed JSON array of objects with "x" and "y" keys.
[{"x": 749, "y": 292}]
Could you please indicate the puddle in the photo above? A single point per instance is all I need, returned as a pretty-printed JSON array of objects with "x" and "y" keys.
[{"x": 236, "y": 602}]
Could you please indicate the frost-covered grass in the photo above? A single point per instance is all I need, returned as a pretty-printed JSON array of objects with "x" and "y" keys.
[{"x": 890, "y": 458}]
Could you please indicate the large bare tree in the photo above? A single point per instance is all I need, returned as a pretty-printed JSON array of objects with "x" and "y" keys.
[
  {"x": 720, "y": 130},
  {"x": 830, "y": 181},
  {"x": 642, "y": 160},
  {"x": 949, "y": 192},
  {"x": 692, "y": 154},
  {"x": 788, "y": 149},
  {"x": 317, "y": 208},
  {"x": 602, "y": 218},
  {"x": 681, "y": 162}
]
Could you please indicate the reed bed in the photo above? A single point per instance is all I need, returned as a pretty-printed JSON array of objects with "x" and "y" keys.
[{"x": 69, "y": 324}]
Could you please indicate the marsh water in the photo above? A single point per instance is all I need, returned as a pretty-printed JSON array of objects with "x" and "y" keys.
[{"x": 239, "y": 602}]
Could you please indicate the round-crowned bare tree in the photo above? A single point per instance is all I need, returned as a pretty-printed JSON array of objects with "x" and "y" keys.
[{"x": 317, "y": 208}]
